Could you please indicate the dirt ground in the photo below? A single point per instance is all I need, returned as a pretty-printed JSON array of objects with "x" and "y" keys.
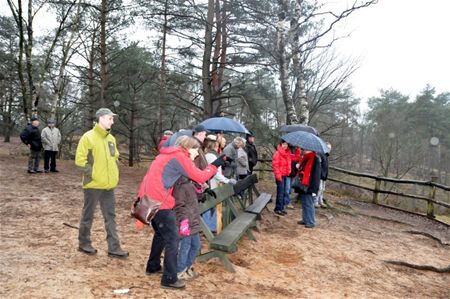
[{"x": 343, "y": 257}]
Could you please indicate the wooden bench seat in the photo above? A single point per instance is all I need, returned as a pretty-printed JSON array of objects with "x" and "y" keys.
[
  {"x": 227, "y": 239},
  {"x": 259, "y": 204}
]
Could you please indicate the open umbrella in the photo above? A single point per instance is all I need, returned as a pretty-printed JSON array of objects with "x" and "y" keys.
[
  {"x": 172, "y": 139},
  {"x": 307, "y": 141},
  {"x": 298, "y": 127},
  {"x": 225, "y": 125}
]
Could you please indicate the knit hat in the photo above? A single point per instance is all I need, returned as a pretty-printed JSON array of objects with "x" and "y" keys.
[{"x": 51, "y": 120}]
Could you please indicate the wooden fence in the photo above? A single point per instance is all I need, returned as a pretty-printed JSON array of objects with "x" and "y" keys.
[
  {"x": 432, "y": 185},
  {"x": 377, "y": 190}
]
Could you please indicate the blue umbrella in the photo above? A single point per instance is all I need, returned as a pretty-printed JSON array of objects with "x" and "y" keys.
[
  {"x": 225, "y": 125},
  {"x": 172, "y": 139},
  {"x": 307, "y": 141},
  {"x": 298, "y": 127}
]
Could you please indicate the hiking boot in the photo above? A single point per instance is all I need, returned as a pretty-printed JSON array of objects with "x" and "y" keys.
[
  {"x": 149, "y": 273},
  {"x": 87, "y": 249},
  {"x": 177, "y": 285},
  {"x": 119, "y": 253},
  {"x": 301, "y": 222},
  {"x": 278, "y": 212}
]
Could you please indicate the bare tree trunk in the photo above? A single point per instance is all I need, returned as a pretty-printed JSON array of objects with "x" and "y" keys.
[
  {"x": 90, "y": 83},
  {"x": 132, "y": 141},
  {"x": 163, "y": 85},
  {"x": 103, "y": 57},
  {"x": 206, "y": 78},
  {"x": 283, "y": 63},
  {"x": 29, "y": 63}
]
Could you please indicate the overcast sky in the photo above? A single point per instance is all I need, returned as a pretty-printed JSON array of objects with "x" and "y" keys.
[{"x": 402, "y": 44}]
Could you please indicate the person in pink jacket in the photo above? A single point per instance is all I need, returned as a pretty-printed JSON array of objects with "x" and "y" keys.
[{"x": 281, "y": 164}]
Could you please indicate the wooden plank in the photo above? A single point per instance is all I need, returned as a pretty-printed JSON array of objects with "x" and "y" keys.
[
  {"x": 259, "y": 204},
  {"x": 227, "y": 239},
  {"x": 222, "y": 193},
  {"x": 244, "y": 184}
]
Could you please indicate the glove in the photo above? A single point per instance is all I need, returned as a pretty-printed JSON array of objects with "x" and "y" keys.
[
  {"x": 228, "y": 159},
  {"x": 232, "y": 181},
  {"x": 184, "y": 228},
  {"x": 220, "y": 161},
  {"x": 210, "y": 192}
]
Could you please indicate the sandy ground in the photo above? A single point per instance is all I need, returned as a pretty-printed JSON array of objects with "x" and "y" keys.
[{"x": 341, "y": 258}]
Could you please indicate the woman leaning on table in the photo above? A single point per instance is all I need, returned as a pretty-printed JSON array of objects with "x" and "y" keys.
[{"x": 166, "y": 169}]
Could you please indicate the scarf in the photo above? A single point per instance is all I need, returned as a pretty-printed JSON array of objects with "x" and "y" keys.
[{"x": 306, "y": 165}]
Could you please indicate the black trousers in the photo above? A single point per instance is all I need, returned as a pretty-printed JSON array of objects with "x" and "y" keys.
[
  {"x": 50, "y": 156},
  {"x": 166, "y": 238}
]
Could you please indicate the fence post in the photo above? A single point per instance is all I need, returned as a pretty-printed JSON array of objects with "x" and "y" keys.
[
  {"x": 375, "y": 192},
  {"x": 431, "y": 195}
]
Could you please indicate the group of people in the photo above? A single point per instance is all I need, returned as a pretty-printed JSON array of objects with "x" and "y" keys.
[
  {"x": 47, "y": 140},
  {"x": 291, "y": 164},
  {"x": 179, "y": 178}
]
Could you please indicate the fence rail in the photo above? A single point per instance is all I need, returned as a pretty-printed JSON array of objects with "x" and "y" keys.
[
  {"x": 432, "y": 185},
  {"x": 430, "y": 199}
]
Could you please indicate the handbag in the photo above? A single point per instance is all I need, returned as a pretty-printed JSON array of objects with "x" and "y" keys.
[
  {"x": 145, "y": 208},
  {"x": 297, "y": 185}
]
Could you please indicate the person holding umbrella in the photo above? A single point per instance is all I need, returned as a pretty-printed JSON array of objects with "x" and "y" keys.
[
  {"x": 309, "y": 168},
  {"x": 281, "y": 164}
]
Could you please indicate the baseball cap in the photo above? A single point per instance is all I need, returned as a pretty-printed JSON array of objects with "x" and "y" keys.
[{"x": 104, "y": 111}]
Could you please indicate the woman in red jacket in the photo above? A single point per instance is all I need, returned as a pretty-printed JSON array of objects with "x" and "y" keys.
[
  {"x": 281, "y": 164},
  {"x": 171, "y": 164}
]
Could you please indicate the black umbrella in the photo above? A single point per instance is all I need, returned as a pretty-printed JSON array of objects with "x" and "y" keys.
[
  {"x": 306, "y": 141},
  {"x": 225, "y": 125},
  {"x": 298, "y": 127}
]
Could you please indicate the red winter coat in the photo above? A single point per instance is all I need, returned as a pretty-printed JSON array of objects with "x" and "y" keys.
[
  {"x": 163, "y": 140},
  {"x": 168, "y": 167},
  {"x": 281, "y": 163}
]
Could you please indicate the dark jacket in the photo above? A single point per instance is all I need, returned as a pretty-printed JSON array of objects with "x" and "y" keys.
[
  {"x": 186, "y": 204},
  {"x": 31, "y": 135},
  {"x": 314, "y": 178},
  {"x": 324, "y": 166},
  {"x": 252, "y": 154}
]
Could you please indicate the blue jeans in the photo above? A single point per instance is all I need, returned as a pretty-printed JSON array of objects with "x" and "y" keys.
[
  {"x": 210, "y": 218},
  {"x": 289, "y": 181},
  {"x": 189, "y": 246},
  {"x": 282, "y": 193},
  {"x": 308, "y": 212},
  {"x": 166, "y": 238}
]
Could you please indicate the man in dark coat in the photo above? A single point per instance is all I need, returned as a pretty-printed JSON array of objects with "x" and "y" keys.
[
  {"x": 31, "y": 136},
  {"x": 252, "y": 154}
]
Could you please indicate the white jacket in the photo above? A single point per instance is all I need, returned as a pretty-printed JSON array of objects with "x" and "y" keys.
[
  {"x": 50, "y": 139},
  {"x": 219, "y": 177}
]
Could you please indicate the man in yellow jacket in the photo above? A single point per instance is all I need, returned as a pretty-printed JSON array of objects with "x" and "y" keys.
[{"x": 97, "y": 156}]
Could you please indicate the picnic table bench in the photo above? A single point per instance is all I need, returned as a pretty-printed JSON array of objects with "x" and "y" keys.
[{"x": 238, "y": 221}]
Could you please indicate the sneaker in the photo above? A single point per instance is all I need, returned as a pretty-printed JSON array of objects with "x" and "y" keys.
[
  {"x": 290, "y": 207},
  {"x": 309, "y": 225},
  {"x": 279, "y": 212},
  {"x": 179, "y": 284},
  {"x": 192, "y": 273},
  {"x": 119, "y": 253},
  {"x": 183, "y": 275},
  {"x": 88, "y": 249},
  {"x": 301, "y": 222}
]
